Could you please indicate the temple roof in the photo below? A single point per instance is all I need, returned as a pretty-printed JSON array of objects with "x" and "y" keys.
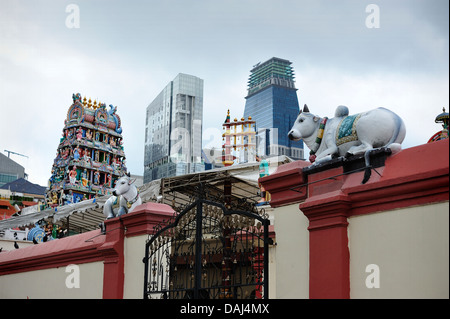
[{"x": 21, "y": 185}]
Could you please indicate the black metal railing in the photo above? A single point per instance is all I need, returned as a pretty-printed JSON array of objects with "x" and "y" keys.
[{"x": 208, "y": 252}]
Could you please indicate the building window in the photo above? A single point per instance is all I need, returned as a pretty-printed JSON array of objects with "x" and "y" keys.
[{"x": 7, "y": 178}]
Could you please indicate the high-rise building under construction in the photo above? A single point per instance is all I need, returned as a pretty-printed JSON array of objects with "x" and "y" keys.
[{"x": 272, "y": 102}]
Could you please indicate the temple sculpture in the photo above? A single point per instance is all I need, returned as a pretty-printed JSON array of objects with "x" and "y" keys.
[{"x": 90, "y": 155}]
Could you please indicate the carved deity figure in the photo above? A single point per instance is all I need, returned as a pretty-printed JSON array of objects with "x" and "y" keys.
[
  {"x": 79, "y": 134},
  {"x": 84, "y": 180},
  {"x": 73, "y": 175},
  {"x": 86, "y": 156},
  {"x": 96, "y": 177},
  {"x": 76, "y": 153},
  {"x": 108, "y": 181},
  {"x": 89, "y": 135}
]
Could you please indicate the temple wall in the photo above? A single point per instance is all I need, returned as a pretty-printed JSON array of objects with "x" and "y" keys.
[
  {"x": 134, "y": 267},
  {"x": 340, "y": 237},
  {"x": 291, "y": 260},
  {"x": 409, "y": 246},
  {"x": 90, "y": 265},
  {"x": 334, "y": 237},
  {"x": 55, "y": 283}
]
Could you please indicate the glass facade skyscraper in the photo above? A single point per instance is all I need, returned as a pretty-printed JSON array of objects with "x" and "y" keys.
[
  {"x": 173, "y": 129},
  {"x": 272, "y": 102}
]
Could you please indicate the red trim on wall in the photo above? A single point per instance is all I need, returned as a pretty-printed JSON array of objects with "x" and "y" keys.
[
  {"x": 414, "y": 176},
  {"x": 139, "y": 222},
  {"x": 384, "y": 197},
  {"x": 112, "y": 251},
  {"x": 145, "y": 217},
  {"x": 90, "y": 247},
  {"x": 77, "y": 249},
  {"x": 285, "y": 186},
  {"x": 329, "y": 271}
]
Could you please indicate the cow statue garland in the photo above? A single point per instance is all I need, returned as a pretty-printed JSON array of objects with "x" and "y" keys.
[
  {"x": 345, "y": 135},
  {"x": 129, "y": 198}
]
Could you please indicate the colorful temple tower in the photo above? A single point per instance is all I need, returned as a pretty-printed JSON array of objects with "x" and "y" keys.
[
  {"x": 90, "y": 155},
  {"x": 239, "y": 143}
]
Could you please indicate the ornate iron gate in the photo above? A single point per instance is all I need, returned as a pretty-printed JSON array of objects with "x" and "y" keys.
[{"x": 208, "y": 252}]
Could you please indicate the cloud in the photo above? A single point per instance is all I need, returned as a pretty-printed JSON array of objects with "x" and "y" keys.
[
  {"x": 37, "y": 80},
  {"x": 417, "y": 100},
  {"x": 125, "y": 53}
]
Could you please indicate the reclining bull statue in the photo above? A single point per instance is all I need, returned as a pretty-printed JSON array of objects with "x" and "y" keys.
[
  {"x": 129, "y": 198},
  {"x": 345, "y": 135}
]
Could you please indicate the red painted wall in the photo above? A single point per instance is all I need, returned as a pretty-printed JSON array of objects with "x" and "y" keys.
[
  {"x": 414, "y": 176},
  {"x": 89, "y": 247}
]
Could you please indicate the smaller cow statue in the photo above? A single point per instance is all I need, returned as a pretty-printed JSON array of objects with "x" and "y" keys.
[
  {"x": 129, "y": 198},
  {"x": 345, "y": 135}
]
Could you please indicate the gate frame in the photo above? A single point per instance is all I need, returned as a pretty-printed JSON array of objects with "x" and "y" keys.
[{"x": 198, "y": 244}]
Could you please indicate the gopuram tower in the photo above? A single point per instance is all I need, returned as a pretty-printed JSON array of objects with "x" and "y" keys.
[{"x": 90, "y": 155}]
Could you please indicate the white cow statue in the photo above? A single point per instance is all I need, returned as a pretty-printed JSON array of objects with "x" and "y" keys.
[
  {"x": 129, "y": 198},
  {"x": 345, "y": 135}
]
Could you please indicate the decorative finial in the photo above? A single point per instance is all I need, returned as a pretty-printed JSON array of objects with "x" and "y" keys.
[
  {"x": 227, "y": 119},
  {"x": 443, "y": 118}
]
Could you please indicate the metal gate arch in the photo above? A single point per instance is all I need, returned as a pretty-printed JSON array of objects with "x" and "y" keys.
[{"x": 208, "y": 252}]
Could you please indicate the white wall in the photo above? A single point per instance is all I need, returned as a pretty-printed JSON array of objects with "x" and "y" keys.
[
  {"x": 410, "y": 246},
  {"x": 51, "y": 283},
  {"x": 134, "y": 250},
  {"x": 292, "y": 253}
]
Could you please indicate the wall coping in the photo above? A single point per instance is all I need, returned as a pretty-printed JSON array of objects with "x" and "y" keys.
[
  {"x": 145, "y": 217},
  {"x": 414, "y": 176},
  {"x": 85, "y": 247},
  {"x": 334, "y": 191},
  {"x": 284, "y": 185},
  {"x": 75, "y": 249}
]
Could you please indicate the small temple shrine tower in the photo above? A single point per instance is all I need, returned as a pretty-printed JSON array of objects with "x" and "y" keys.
[
  {"x": 239, "y": 141},
  {"x": 443, "y": 134}
]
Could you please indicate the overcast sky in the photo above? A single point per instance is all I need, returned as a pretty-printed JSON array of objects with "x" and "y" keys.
[{"x": 125, "y": 52}]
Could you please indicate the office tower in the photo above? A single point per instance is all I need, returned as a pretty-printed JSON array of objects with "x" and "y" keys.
[
  {"x": 272, "y": 102},
  {"x": 173, "y": 130},
  {"x": 10, "y": 170}
]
